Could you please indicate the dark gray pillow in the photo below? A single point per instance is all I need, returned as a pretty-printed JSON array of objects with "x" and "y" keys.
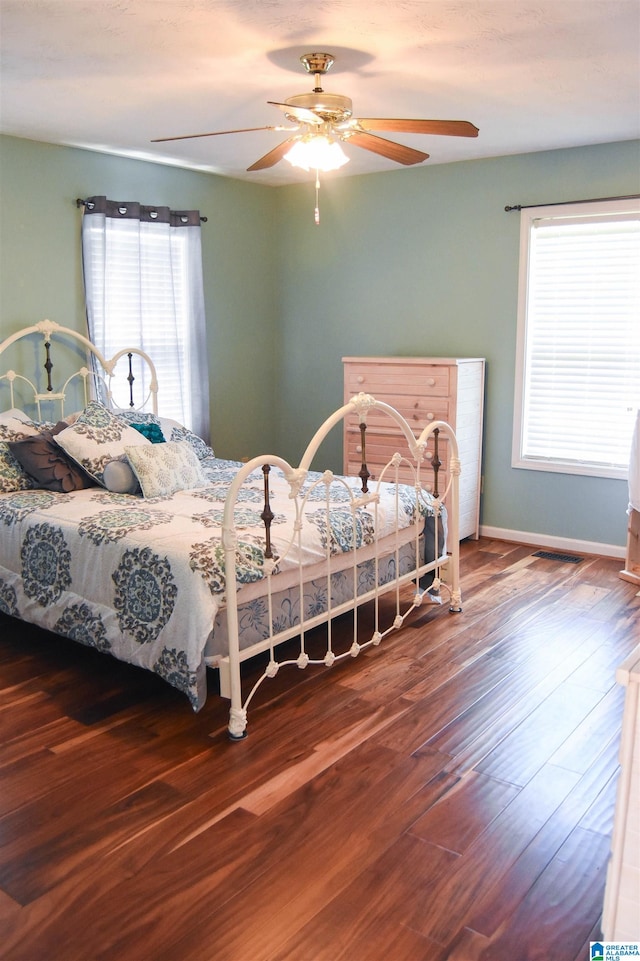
[{"x": 47, "y": 463}]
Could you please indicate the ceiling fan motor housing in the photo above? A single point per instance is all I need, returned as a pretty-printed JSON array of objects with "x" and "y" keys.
[{"x": 331, "y": 107}]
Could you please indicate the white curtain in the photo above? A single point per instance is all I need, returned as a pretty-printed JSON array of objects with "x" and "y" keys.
[
  {"x": 143, "y": 287},
  {"x": 634, "y": 467}
]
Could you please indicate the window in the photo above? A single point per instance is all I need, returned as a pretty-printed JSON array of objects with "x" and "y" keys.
[
  {"x": 143, "y": 284},
  {"x": 578, "y": 344}
]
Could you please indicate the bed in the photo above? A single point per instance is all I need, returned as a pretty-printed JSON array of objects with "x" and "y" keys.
[{"x": 121, "y": 529}]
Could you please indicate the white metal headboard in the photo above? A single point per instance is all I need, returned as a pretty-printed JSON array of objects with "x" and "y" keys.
[{"x": 97, "y": 379}]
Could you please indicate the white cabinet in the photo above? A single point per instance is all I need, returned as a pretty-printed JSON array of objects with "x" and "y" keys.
[
  {"x": 422, "y": 389},
  {"x": 621, "y": 914}
]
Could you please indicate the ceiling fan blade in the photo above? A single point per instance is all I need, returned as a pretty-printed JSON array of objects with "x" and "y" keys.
[
  {"x": 300, "y": 113},
  {"x": 446, "y": 128},
  {"x": 272, "y": 158},
  {"x": 387, "y": 148},
  {"x": 218, "y": 133}
]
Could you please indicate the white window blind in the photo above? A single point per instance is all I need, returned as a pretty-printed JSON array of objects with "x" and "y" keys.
[
  {"x": 144, "y": 274},
  {"x": 143, "y": 285},
  {"x": 578, "y": 364}
]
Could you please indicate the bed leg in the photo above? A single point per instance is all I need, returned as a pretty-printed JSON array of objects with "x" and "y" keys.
[
  {"x": 455, "y": 607},
  {"x": 237, "y": 728}
]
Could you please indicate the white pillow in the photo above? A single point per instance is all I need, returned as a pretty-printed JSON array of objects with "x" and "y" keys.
[
  {"x": 163, "y": 469},
  {"x": 98, "y": 437}
]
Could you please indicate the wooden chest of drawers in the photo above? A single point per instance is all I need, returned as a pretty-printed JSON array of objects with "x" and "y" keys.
[{"x": 422, "y": 389}]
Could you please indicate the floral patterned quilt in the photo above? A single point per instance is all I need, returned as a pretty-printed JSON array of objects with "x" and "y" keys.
[{"x": 143, "y": 578}]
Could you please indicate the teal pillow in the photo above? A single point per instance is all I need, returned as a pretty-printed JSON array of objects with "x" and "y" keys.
[{"x": 152, "y": 432}]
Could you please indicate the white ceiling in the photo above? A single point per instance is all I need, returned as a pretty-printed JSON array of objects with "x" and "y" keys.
[{"x": 111, "y": 75}]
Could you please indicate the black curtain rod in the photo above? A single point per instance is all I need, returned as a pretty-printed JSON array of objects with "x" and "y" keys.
[
  {"x": 82, "y": 203},
  {"x": 561, "y": 203}
]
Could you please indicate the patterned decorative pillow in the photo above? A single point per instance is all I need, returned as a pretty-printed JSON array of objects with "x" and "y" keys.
[
  {"x": 163, "y": 469},
  {"x": 12, "y": 476},
  {"x": 15, "y": 422},
  {"x": 14, "y": 414},
  {"x": 98, "y": 437},
  {"x": 13, "y": 428},
  {"x": 137, "y": 416},
  {"x": 172, "y": 430}
]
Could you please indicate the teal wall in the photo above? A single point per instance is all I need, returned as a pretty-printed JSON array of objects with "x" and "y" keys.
[
  {"x": 41, "y": 274},
  {"x": 424, "y": 262},
  {"x": 417, "y": 262}
]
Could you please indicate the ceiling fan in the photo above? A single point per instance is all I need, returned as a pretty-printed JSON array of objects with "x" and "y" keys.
[{"x": 328, "y": 117}]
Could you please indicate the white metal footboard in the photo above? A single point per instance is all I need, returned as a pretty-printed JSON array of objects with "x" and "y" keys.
[{"x": 412, "y": 451}]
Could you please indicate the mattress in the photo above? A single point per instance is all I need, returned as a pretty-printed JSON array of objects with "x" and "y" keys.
[{"x": 143, "y": 578}]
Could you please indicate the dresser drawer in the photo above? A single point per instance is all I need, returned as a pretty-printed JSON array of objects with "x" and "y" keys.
[
  {"x": 385, "y": 380},
  {"x": 380, "y": 450},
  {"x": 418, "y": 411}
]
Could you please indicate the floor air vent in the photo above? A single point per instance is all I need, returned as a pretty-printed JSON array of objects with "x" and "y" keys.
[{"x": 554, "y": 556}]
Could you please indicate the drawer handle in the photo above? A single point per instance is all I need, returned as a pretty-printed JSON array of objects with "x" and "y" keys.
[
  {"x": 430, "y": 416},
  {"x": 360, "y": 379},
  {"x": 358, "y": 448},
  {"x": 431, "y": 382}
]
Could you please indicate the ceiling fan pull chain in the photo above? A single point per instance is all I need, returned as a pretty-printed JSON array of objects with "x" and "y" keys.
[{"x": 316, "y": 216}]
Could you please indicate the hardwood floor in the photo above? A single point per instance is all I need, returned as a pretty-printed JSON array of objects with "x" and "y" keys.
[{"x": 447, "y": 797}]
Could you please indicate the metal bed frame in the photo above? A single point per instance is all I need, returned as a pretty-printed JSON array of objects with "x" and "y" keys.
[{"x": 421, "y": 453}]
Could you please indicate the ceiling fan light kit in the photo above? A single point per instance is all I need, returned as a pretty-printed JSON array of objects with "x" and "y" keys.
[
  {"x": 322, "y": 119},
  {"x": 316, "y": 152}
]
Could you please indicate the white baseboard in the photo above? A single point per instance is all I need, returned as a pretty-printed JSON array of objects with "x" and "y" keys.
[{"x": 566, "y": 544}]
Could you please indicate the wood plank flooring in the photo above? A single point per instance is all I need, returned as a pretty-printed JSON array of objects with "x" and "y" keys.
[{"x": 448, "y": 796}]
